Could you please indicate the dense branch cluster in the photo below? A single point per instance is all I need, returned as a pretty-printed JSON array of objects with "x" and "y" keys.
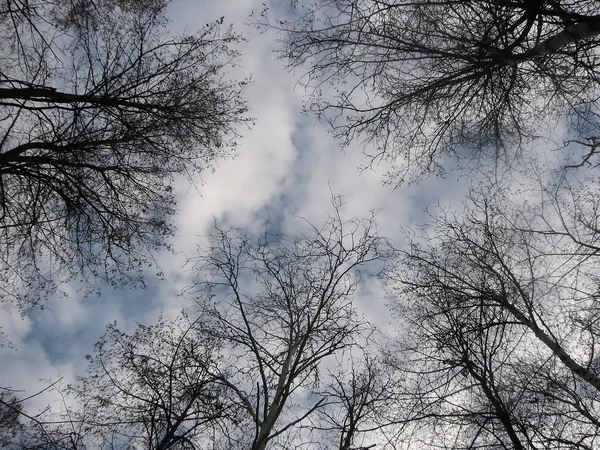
[
  {"x": 101, "y": 110},
  {"x": 425, "y": 79},
  {"x": 501, "y": 307},
  {"x": 248, "y": 371},
  {"x": 497, "y": 346}
]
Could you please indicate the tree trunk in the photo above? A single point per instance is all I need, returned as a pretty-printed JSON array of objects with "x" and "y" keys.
[
  {"x": 572, "y": 33},
  {"x": 499, "y": 409},
  {"x": 582, "y": 372}
]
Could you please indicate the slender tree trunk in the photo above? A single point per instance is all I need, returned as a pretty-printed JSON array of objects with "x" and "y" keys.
[
  {"x": 499, "y": 408},
  {"x": 582, "y": 372},
  {"x": 279, "y": 399}
]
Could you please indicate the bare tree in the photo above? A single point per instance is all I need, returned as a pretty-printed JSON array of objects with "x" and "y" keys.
[
  {"x": 155, "y": 388},
  {"x": 430, "y": 78},
  {"x": 102, "y": 108},
  {"x": 359, "y": 411},
  {"x": 10, "y": 410},
  {"x": 285, "y": 307},
  {"x": 458, "y": 387},
  {"x": 501, "y": 304},
  {"x": 22, "y": 430}
]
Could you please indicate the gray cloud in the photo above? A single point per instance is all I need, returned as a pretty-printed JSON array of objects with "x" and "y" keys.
[{"x": 287, "y": 167}]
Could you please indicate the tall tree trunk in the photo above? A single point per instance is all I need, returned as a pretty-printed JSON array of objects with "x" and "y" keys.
[{"x": 499, "y": 408}]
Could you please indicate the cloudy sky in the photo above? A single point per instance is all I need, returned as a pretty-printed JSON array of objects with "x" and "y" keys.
[{"x": 287, "y": 167}]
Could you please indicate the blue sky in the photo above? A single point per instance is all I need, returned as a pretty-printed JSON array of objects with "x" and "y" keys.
[{"x": 287, "y": 167}]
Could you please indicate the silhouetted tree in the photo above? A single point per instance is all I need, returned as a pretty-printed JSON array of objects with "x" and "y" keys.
[
  {"x": 102, "y": 108},
  {"x": 430, "y": 78},
  {"x": 502, "y": 305},
  {"x": 10, "y": 410},
  {"x": 284, "y": 307},
  {"x": 360, "y": 406},
  {"x": 155, "y": 388}
]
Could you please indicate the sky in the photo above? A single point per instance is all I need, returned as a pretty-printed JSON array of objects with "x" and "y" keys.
[{"x": 287, "y": 167}]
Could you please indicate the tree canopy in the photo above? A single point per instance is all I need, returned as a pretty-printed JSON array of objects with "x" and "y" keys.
[
  {"x": 496, "y": 311},
  {"x": 248, "y": 367},
  {"x": 494, "y": 307},
  {"x": 423, "y": 80},
  {"x": 500, "y": 307},
  {"x": 102, "y": 109}
]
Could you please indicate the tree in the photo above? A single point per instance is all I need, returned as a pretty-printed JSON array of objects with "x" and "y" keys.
[
  {"x": 155, "y": 388},
  {"x": 245, "y": 370},
  {"x": 102, "y": 109},
  {"x": 502, "y": 305},
  {"x": 431, "y": 78},
  {"x": 149, "y": 389},
  {"x": 360, "y": 409},
  {"x": 459, "y": 388},
  {"x": 285, "y": 307},
  {"x": 20, "y": 430}
]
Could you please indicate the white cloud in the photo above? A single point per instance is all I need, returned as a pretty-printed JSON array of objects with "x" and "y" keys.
[{"x": 287, "y": 165}]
